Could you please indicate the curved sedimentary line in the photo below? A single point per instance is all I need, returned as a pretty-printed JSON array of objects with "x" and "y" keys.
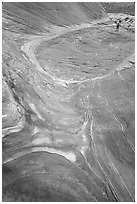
[
  {"x": 49, "y": 173},
  {"x": 29, "y": 49},
  {"x": 114, "y": 167},
  {"x": 115, "y": 194},
  {"x": 92, "y": 169},
  {"x": 120, "y": 177},
  {"x": 16, "y": 128},
  {"x": 68, "y": 155},
  {"x": 122, "y": 128}
]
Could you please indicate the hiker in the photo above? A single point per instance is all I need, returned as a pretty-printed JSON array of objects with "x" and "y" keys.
[{"x": 118, "y": 24}]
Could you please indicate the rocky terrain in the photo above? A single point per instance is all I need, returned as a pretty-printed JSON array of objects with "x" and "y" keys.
[
  {"x": 120, "y": 7},
  {"x": 67, "y": 103}
]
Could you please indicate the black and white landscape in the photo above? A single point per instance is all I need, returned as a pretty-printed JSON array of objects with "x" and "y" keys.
[{"x": 68, "y": 102}]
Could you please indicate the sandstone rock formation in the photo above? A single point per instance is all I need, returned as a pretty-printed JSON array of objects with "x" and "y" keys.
[{"x": 68, "y": 104}]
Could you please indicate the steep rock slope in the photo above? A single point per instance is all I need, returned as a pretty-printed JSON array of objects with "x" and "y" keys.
[
  {"x": 38, "y": 16},
  {"x": 120, "y": 7}
]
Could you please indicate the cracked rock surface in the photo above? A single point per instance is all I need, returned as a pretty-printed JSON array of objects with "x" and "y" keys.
[{"x": 67, "y": 104}]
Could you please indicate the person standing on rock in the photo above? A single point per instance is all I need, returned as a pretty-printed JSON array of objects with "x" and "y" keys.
[{"x": 118, "y": 25}]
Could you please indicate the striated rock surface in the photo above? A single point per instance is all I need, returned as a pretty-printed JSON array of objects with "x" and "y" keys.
[
  {"x": 120, "y": 7},
  {"x": 68, "y": 104}
]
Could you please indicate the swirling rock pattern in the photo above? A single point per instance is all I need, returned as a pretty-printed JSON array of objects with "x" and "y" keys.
[{"x": 68, "y": 104}]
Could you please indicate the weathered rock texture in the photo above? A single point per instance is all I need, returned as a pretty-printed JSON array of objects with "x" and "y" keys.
[{"x": 68, "y": 104}]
